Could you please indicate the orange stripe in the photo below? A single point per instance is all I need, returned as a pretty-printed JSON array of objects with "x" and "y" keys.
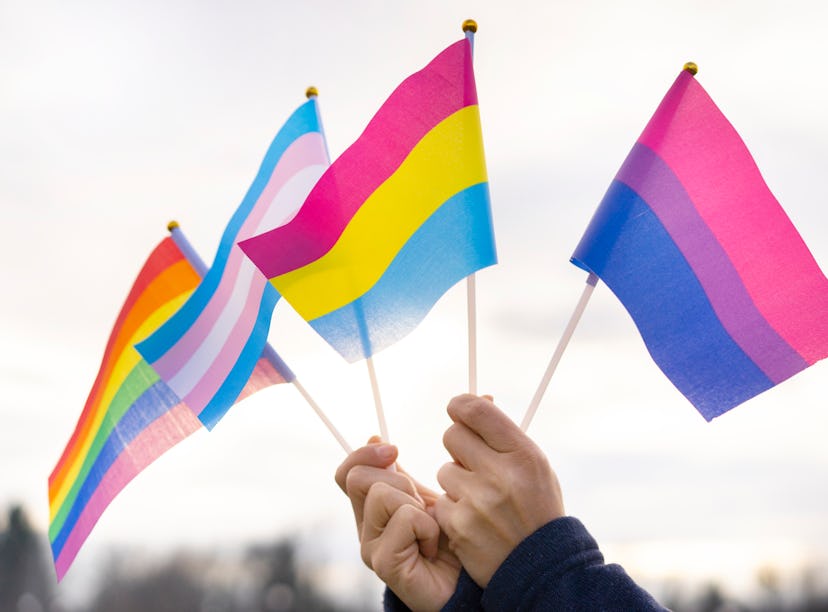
[
  {"x": 124, "y": 365},
  {"x": 163, "y": 256},
  {"x": 174, "y": 280}
]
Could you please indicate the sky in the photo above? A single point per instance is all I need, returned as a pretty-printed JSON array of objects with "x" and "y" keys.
[{"x": 118, "y": 117}]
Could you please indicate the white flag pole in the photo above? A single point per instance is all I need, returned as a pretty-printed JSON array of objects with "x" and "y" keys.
[
  {"x": 377, "y": 399},
  {"x": 591, "y": 281},
  {"x": 471, "y": 301},
  {"x": 345, "y": 446},
  {"x": 269, "y": 353},
  {"x": 470, "y": 27}
]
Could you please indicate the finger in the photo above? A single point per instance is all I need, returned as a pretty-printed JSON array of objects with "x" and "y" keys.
[
  {"x": 423, "y": 493},
  {"x": 374, "y": 454},
  {"x": 444, "y": 510},
  {"x": 361, "y": 478},
  {"x": 486, "y": 420},
  {"x": 454, "y": 480},
  {"x": 427, "y": 495},
  {"x": 466, "y": 447},
  {"x": 382, "y": 501},
  {"x": 409, "y": 524}
]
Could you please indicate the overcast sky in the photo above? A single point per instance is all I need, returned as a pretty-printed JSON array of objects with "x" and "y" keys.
[{"x": 119, "y": 116}]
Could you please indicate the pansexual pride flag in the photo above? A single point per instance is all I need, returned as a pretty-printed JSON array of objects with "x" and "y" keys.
[
  {"x": 398, "y": 218},
  {"x": 206, "y": 351},
  {"x": 131, "y": 417},
  {"x": 726, "y": 295}
]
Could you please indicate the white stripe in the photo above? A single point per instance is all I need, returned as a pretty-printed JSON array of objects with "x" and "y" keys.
[
  {"x": 198, "y": 364},
  {"x": 283, "y": 208},
  {"x": 290, "y": 198}
]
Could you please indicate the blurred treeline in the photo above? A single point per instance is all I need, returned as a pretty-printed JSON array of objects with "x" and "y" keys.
[
  {"x": 263, "y": 578},
  {"x": 268, "y": 578}
]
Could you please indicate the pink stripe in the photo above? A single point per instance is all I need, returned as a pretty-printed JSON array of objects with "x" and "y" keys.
[
  {"x": 263, "y": 376},
  {"x": 164, "y": 433},
  {"x": 216, "y": 374},
  {"x": 307, "y": 150},
  {"x": 703, "y": 149},
  {"x": 424, "y": 99},
  {"x": 304, "y": 151},
  {"x": 171, "y": 362}
]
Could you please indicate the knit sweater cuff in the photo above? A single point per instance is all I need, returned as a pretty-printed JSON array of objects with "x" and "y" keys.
[
  {"x": 534, "y": 562},
  {"x": 466, "y": 597}
]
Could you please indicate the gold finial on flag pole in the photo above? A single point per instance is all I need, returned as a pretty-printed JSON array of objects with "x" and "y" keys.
[
  {"x": 172, "y": 225},
  {"x": 691, "y": 68},
  {"x": 470, "y": 25},
  {"x": 311, "y": 91}
]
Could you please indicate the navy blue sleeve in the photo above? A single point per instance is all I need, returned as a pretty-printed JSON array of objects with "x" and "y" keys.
[
  {"x": 466, "y": 597},
  {"x": 559, "y": 567}
]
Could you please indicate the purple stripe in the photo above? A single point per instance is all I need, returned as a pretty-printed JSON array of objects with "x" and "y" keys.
[{"x": 653, "y": 180}]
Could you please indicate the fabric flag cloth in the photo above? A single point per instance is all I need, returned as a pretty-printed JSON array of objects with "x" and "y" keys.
[
  {"x": 724, "y": 291},
  {"x": 131, "y": 417},
  {"x": 206, "y": 351},
  {"x": 399, "y": 218}
]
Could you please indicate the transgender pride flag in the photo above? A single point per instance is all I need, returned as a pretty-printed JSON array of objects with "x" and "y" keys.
[
  {"x": 725, "y": 293},
  {"x": 206, "y": 351}
]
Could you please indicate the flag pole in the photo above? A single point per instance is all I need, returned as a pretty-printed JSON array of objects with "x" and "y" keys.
[
  {"x": 591, "y": 281},
  {"x": 269, "y": 353},
  {"x": 469, "y": 28},
  {"x": 312, "y": 92},
  {"x": 372, "y": 374}
]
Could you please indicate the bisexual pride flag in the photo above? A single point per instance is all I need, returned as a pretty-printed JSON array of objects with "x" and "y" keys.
[
  {"x": 724, "y": 291},
  {"x": 399, "y": 218}
]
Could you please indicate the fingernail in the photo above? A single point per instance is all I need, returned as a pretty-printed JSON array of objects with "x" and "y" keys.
[{"x": 385, "y": 451}]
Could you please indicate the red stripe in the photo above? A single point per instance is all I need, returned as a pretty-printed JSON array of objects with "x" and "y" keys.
[{"x": 163, "y": 257}]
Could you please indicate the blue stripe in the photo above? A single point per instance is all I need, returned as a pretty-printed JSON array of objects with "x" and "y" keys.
[
  {"x": 235, "y": 381},
  {"x": 455, "y": 241},
  {"x": 150, "y": 405},
  {"x": 304, "y": 120},
  {"x": 630, "y": 250}
]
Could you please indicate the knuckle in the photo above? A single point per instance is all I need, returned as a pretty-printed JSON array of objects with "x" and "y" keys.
[
  {"x": 475, "y": 408},
  {"x": 457, "y": 525},
  {"x": 441, "y": 474},
  {"x": 530, "y": 465},
  {"x": 407, "y": 513},
  {"x": 452, "y": 437},
  {"x": 375, "y": 491},
  {"x": 341, "y": 476},
  {"x": 365, "y": 553},
  {"x": 495, "y": 498},
  {"x": 463, "y": 526},
  {"x": 354, "y": 480},
  {"x": 459, "y": 402}
]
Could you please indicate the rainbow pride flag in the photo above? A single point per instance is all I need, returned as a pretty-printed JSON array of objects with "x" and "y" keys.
[
  {"x": 397, "y": 219},
  {"x": 206, "y": 351},
  {"x": 724, "y": 291},
  {"x": 131, "y": 417}
]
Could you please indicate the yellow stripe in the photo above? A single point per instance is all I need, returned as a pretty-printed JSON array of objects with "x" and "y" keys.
[
  {"x": 447, "y": 160},
  {"x": 123, "y": 366}
]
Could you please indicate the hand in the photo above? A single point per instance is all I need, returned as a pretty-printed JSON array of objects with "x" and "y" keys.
[
  {"x": 499, "y": 490},
  {"x": 399, "y": 539}
]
